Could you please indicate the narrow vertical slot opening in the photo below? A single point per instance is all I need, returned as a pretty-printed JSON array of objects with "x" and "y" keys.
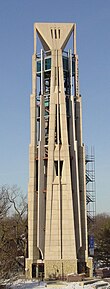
[
  {"x": 36, "y": 175},
  {"x": 60, "y": 140},
  {"x": 56, "y": 168},
  {"x": 61, "y": 167},
  {"x": 52, "y": 33},
  {"x": 59, "y": 33},
  {"x": 56, "y": 123},
  {"x": 55, "y": 31}
]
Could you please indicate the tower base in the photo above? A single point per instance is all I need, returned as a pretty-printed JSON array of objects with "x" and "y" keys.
[
  {"x": 50, "y": 268},
  {"x": 28, "y": 268},
  {"x": 55, "y": 268},
  {"x": 59, "y": 268},
  {"x": 34, "y": 269},
  {"x": 90, "y": 266}
]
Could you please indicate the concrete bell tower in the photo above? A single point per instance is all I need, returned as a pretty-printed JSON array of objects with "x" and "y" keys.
[{"x": 57, "y": 218}]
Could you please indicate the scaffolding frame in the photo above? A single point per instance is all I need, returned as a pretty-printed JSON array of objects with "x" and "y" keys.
[{"x": 90, "y": 187}]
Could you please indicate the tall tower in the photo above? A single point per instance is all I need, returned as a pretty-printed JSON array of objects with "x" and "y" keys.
[{"x": 57, "y": 219}]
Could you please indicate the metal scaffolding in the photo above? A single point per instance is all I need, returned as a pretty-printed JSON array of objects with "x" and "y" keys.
[{"x": 90, "y": 187}]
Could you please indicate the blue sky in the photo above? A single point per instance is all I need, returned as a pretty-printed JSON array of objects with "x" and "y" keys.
[{"x": 16, "y": 48}]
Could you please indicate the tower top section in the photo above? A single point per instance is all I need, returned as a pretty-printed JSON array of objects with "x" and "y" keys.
[{"x": 55, "y": 35}]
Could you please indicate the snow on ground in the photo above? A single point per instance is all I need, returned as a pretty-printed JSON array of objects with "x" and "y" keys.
[{"x": 21, "y": 284}]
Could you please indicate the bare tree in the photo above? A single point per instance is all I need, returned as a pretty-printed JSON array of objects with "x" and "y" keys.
[
  {"x": 17, "y": 201},
  {"x": 102, "y": 240},
  {"x": 5, "y": 204},
  {"x": 13, "y": 230}
]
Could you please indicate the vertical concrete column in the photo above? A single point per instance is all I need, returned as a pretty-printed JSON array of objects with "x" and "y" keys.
[
  {"x": 41, "y": 195},
  {"x": 32, "y": 194},
  {"x": 82, "y": 180}
]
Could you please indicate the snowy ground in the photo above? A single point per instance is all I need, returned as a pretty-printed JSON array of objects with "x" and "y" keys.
[{"x": 21, "y": 284}]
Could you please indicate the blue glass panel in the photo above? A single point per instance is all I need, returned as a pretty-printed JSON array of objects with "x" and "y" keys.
[
  {"x": 48, "y": 64},
  {"x": 39, "y": 66},
  {"x": 65, "y": 63},
  {"x": 73, "y": 67}
]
